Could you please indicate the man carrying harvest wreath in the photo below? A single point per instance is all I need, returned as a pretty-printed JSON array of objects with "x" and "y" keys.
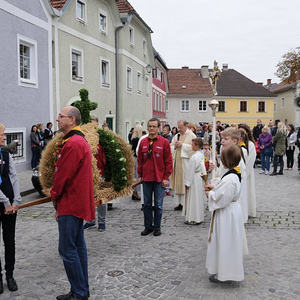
[{"x": 73, "y": 196}]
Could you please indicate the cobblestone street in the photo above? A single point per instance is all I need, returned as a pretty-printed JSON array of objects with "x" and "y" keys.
[{"x": 124, "y": 265}]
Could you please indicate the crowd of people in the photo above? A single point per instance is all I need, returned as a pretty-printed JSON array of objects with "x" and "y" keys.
[{"x": 175, "y": 161}]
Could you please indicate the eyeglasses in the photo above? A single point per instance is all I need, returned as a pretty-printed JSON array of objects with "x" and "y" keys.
[{"x": 60, "y": 116}]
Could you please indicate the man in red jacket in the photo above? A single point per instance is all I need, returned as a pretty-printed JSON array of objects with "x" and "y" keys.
[
  {"x": 72, "y": 192},
  {"x": 154, "y": 168}
]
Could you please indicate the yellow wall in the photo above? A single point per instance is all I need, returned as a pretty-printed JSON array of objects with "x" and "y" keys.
[{"x": 232, "y": 114}]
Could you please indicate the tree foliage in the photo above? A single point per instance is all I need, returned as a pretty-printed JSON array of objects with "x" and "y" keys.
[
  {"x": 85, "y": 106},
  {"x": 288, "y": 69}
]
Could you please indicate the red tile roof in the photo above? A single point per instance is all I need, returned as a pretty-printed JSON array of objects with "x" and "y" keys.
[
  {"x": 191, "y": 79},
  {"x": 124, "y": 6},
  {"x": 58, "y": 4}
]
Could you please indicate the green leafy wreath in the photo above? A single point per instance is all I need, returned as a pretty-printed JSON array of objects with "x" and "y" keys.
[{"x": 115, "y": 167}]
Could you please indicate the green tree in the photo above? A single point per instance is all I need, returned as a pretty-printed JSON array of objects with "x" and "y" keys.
[
  {"x": 288, "y": 69},
  {"x": 85, "y": 106}
]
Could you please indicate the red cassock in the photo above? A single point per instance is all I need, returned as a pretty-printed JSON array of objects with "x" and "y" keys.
[{"x": 73, "y": 180}]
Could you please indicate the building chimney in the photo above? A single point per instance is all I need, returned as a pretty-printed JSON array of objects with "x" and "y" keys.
[
  {"x": 260, "y": 83},
  {"x": 269, "y": 81},
  {"x": 225, "y": 67},
  {"x": 204, "y": 71},
  {"x": 185, "y": 67}
]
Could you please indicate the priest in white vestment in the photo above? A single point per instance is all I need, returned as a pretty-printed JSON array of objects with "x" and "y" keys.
[
  {"x": 181, "y": 147},
  {"x": 193, "y": 207}
]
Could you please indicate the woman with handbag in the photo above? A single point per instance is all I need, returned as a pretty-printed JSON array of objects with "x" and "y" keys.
[{"x": 266, "y": 150}]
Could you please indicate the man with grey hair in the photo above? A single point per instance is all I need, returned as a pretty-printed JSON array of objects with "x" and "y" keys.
[
  {"x": 73, "y": 197},
  {"x": 181, "y": 147}
]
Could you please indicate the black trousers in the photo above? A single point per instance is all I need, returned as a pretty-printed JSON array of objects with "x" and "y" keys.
[
  {"x": 8, "y": 224},
  {"x": 278, "y": 159},
  {"x": 290, "y": 157}
]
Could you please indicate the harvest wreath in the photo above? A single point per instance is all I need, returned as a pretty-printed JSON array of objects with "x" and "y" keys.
[{"x": 119, "y": 174}]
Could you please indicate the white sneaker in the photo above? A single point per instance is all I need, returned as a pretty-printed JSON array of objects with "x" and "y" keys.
[
  {"x": 261, "y": 172},
  {"x": 266, "y": 172}
]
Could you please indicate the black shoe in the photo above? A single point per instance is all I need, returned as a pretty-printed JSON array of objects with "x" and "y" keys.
[
  {"x": 157, "y": 232},
  {"x": 11, "y": 284},
  {"x": 179, "y": 207},
  {"x": 213, "y": 278},
  {"x": 88, "y": 225},
  {"x": 133, "y": 197},
  {"x": 280, "y": 173},
  {"x": 146, "y": 231},
  {"x": 71, "y": 296},
  {"x": 1, "y": 285},
  {"x": 273, "y": 174},
  {"x": 109, "y": 206}
]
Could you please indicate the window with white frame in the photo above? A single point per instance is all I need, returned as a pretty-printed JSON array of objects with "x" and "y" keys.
[
  {"x": 105, "y": 73},
  {"x": 81, "y": 10},
  {"x": 202, "y": 105},
  {"x": 221, "y": 107},
  {"x": 77, "y": 65},
  {"x": 139, "y": 82},
  {"x": 147, "y": 86},
  {"x": 160, "y": 103},
  {"x": 129, "y": 78},
  {"x": 167, "y": 105},
  {"x": 131, "y": 35},
  {"x": 261, "y": 106},
  {"x": 102, "y": 22},
  {"x": 17, "y": 135},
  {"x": 243, "y": 106},
  {"x": 185, "y": 105},
  {"x": 144, "y": 48},
  {"x": 27, "y": 61},
  {"x": 153, "y": 100}
]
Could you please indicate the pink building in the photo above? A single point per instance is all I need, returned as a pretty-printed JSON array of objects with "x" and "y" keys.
[{"x": 159, "y": 88}]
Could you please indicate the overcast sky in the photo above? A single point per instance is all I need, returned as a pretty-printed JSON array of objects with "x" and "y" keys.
[{"x": 249, "y": 35}]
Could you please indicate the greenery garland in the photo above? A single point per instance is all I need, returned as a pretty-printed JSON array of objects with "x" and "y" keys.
[{"x": 115, "y": 167}]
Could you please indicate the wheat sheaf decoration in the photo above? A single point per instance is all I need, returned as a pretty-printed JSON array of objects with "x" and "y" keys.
[{"x": 118, "y": 176}]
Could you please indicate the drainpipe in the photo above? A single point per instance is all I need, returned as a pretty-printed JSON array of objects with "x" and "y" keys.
[{"x": 117, "y": 78}]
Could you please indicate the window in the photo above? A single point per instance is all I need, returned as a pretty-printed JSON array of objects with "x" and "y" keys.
[
  {"x": 144, "y": 48},
  {"x": 221, "y": 107},
  {"x": 202, "y": 105},
  {"x": 12, "y": 134},
  {"x": 153, "y": 101},
  {"x": 185, "y": 105},
  {"x": 105, "y": 73},
  {"x": 77, "y": 67},
  {"x": 27, "y": 61},
  {"x": 156, "y": 101},
  {"x": 129, "y": 78},
  {"x": 131, "y": 36},
  {"x": 102, "y": 22},
  {"x": 282, "y": 102},
  {"x": 147, "y": 86},
  {"x": 261, "y": 106},
  {"x": 243, "y": 106},
  {"x": 80, "y": 10},
  {"x": 275, "y": 107},
  {"x": 160, "y": 103},
  {"x": 167, "y": 105},
  {"x": 139, "y": 78}
]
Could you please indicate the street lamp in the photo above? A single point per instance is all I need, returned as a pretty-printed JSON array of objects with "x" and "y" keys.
[{"x": 213, "y": 104}]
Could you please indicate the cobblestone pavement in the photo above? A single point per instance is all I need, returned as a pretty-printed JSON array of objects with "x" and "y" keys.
[{"x": 124, "y": 265}]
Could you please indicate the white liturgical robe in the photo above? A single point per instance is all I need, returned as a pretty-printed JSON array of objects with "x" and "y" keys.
[
  {"x": 228, "y": 239},
  {"x": 251, "y": 180}
]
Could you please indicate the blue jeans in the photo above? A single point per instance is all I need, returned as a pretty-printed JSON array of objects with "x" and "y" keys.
[
  {"x": 149, "y": 188},
  {"x": 73, "y": 252},
  {"x": 265, "y": 160}
]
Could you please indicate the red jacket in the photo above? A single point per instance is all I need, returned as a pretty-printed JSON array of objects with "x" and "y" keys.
[
  {"x": 160, "y": 166},
  {"x": 73, "y": 180}
]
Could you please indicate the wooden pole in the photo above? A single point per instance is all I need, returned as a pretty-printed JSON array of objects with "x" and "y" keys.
[{"x": 35, "y": 202}]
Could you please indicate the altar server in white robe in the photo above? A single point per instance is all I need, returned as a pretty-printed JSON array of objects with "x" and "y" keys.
[
  {"x": 231, "y": 136},
  {"x": 226, "y": 242},
  {"x": 193, "y": 207},
  {"x": 250, "y": 171}
]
